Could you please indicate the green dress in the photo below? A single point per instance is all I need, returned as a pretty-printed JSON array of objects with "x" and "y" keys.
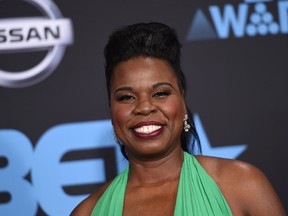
[{"x": 197, "y": 194}]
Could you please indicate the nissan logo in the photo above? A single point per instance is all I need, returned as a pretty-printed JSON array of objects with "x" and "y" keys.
[{"x": 49, "y": 32}]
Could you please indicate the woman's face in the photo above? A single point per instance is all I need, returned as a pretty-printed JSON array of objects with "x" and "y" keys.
[{"x": 147, "y": 107}]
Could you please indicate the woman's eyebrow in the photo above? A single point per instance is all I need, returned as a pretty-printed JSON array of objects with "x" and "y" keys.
[
  {"x": 156, "y": 85},
  {"x": 123, "y": 89}
]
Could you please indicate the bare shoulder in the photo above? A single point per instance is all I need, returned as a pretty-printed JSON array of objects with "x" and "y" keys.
[
  {"x": 235, "y": 170},
  {"x": 86, "y": 207},
  {"x": 245, "y": 187}
]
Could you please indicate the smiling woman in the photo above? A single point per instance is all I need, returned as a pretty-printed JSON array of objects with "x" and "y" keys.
[{"x": 155, "y": 130}]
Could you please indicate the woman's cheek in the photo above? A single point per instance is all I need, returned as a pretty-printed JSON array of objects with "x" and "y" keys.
[
  {"x": 120, "y": 115},
  {"x": 174, "y": 109}
]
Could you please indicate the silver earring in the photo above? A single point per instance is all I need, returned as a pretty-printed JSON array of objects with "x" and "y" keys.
[{"x": 186, "y": 126}]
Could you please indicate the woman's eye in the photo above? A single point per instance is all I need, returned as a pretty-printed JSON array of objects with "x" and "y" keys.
[
  {"x": 161, "y": 94},
  {"x": 124, "y": 98}
]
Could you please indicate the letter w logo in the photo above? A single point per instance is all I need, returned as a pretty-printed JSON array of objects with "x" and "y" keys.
[{"x": 225, "y": 22}]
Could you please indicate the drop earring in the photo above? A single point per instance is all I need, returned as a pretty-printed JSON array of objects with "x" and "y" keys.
[{"x": 186, "y": 126}]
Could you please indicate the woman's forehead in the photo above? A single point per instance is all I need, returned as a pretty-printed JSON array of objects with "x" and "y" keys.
[{"x": 143, "y": 69}]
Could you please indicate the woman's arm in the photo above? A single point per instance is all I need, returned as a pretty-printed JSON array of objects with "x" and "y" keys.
[{"x": 261, "y": 198}]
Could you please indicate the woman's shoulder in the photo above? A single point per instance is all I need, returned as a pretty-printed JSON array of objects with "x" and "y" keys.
[
  {"x": 245, "y": 187},
  {"x": 222, "y": 168},
  {"x": 86, "y": 207},
  {"x": 232, "y": 176}
]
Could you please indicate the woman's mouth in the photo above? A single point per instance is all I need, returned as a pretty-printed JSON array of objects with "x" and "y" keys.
[{"x": 147, "y": 131}]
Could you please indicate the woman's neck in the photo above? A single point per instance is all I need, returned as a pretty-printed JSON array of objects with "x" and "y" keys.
[{"x": 156, "y": 171}]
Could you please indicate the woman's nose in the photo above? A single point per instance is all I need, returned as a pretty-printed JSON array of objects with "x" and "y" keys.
[{"x": 144, "y": 107}]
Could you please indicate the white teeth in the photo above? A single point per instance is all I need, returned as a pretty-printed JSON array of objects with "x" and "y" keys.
[{"x": 147, "y": 129}]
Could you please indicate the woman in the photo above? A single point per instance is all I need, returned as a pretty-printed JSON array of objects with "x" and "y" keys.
[{"x": 155, "y": 130}]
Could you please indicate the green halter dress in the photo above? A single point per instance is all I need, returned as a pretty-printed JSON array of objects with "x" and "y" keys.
[{"x": 198, "y": 194}]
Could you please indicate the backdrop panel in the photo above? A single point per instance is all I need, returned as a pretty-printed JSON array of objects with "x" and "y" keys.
[{"x": 56, "y": 139}]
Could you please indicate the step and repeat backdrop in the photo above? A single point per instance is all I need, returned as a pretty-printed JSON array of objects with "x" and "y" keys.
[{"x": 56, "y": 139}]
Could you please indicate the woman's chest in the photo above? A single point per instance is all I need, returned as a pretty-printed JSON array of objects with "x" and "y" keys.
[{"x": 156, "y": 200}]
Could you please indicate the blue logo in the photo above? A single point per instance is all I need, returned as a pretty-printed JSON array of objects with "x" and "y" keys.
[{"x": 248, "y": 19}]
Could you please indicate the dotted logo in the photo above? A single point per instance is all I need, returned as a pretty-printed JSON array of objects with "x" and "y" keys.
[{"x": 262, "y": 22}]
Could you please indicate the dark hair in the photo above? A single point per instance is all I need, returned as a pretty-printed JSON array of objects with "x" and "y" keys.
[{"x": 150, "y": 40}]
